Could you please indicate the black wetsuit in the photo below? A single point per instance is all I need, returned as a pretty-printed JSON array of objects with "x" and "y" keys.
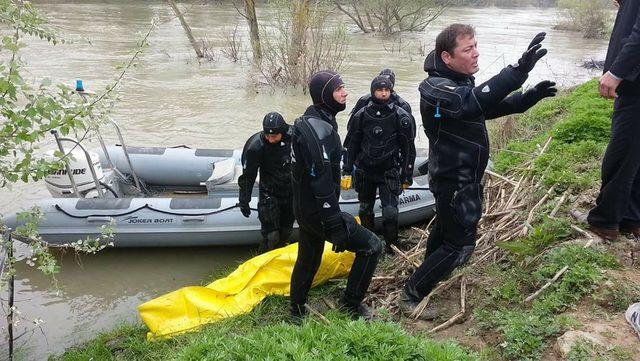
[
  {"x": 383, "y": 151},
  {"x": 316, "y": 189},
  {"x": 275, "y": 202},
  {"x": 453, "y": 112},
  {"x": 363, "y": 101}
]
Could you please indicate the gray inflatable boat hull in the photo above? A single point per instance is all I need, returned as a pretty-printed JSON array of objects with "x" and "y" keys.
[{"x": 178, "y": 222}]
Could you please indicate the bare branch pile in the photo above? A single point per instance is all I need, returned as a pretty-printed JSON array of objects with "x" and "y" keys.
[{"x": 511, "y": 203}]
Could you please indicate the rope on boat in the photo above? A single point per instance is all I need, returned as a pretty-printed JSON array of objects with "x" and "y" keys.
[{"x": 147, "y": 206}]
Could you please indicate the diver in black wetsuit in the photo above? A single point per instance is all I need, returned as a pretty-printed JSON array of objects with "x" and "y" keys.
[
  {"x": 316, "y": 189},
  {"x": 269, "y": 151},
  {"x": 382, "y": 151},
  {"x": 365, "y": 99},
  {"x": 453, "y": 112}
]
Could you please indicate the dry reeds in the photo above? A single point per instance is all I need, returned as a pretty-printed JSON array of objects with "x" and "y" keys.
[{"x": 511, "y": 203}]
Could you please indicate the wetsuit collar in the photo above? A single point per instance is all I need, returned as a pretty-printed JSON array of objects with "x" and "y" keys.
[
  {"x": 382, "y": 107},
  {"x": 436, "y": 67},
  {"x": 321, "y": 113}
]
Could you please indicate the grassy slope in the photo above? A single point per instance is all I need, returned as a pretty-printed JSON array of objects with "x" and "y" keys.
[
  {"x": 579, "y": 124},
  {"x": 264, "y": 335}
]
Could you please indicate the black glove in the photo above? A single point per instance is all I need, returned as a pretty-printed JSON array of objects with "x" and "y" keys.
[
  {"x": 543, "y": 89},
  {"x": 336, "y": 230},
  {"x": 532, "y": 55},
  {"x": 244, "y": 208}
]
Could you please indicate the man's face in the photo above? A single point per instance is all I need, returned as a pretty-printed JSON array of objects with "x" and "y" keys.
[
  {"x": 340, "y": 95},
  {"x": 273, "y": 138},
  {"x": 382, "y": 94},
  {"x": 464, "y": 59}
]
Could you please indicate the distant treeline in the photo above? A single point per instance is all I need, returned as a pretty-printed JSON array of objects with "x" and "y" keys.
[{"x": 503, "y": 3}]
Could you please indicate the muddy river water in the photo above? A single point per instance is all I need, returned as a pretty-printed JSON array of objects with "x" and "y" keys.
[{"x": 171, "y": 99}]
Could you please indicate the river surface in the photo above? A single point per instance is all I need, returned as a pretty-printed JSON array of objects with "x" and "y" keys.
[{"x": 169, "y": 98}]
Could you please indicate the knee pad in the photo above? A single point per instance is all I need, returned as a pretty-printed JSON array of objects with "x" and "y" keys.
[
  {"x": 376, "y": 244},
  {"x": 390, "y": 213},
  {"x": 464, "y": 255}
]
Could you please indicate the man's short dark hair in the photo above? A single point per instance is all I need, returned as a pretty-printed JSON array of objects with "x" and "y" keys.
[{"x": 446, "y": 40}]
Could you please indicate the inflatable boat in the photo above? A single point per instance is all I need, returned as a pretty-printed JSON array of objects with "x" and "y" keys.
[{"x": 168, "y": 197}]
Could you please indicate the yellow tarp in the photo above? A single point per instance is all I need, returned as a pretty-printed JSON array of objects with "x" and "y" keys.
[{"x": 238, "y": 293}]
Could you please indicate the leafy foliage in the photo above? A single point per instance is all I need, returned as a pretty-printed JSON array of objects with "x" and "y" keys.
[{"x": 525, "y": 330}]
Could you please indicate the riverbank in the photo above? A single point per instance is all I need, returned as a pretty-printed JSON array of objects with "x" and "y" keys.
[{"x": 555, "y": 149}]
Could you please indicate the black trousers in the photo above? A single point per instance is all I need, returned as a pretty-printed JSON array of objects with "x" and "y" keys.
[
  {"x": 366, "y": 245},
  {"x": 618, "y": 203},
  {"x": 367, "y": 188},
  {"x": 452, "y": 238},
  {"x": 276, "y": 220}
]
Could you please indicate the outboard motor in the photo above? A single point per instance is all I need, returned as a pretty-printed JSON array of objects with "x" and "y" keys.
[{"x": 59, "y": 184}]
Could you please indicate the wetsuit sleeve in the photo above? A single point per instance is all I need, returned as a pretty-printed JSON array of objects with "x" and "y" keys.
[
  {"x": 627, "y": 63},
  {"x": 465, "y": 102},
  {"x": 510, "y": 105},
  {"x": 407, "y": 135},
  {"x": 250, "y": 165},
  {"x": 355, "y": 142}
]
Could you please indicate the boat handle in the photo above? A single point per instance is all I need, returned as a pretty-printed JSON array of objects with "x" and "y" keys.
[
  {"x": 193, "y": 218},
  {"x": 99, "y": 219}
]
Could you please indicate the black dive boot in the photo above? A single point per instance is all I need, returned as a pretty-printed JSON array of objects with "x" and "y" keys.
[
  {"x": 355, "y": 311},
  {"x": 390, "y": 233}
]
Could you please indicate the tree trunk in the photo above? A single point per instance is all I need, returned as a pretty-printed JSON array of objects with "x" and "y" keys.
[
  {"x": 9, "y": 267},
  {"x": 299, "y": 28},
  {"x": 254, "y": 34},
  {"x": 186, "y": 28}
]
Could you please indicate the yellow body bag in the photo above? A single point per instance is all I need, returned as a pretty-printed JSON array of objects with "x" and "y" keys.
[{"x": 266, "y": 274}]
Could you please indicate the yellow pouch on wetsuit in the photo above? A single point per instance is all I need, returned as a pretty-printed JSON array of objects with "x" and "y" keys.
[
  {"x": 345, "y": 182},
  {"x": 267, "y": 274}
]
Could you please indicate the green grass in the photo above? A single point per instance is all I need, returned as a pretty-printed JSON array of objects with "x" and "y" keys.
[
  {"x": 544, "y": 234},
  {"x": 265, "y": 335},
  {"x": 525, "y": 329},
  {"x": 579, "y": 123},
  {"x": 585, "y": 350}
]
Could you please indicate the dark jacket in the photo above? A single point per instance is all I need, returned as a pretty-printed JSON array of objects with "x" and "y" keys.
[
  {"x": 458, "y": 139},
  {"x": 363, "y": 101},
  {"x": 316, "y": 167},
  {"x": 381, "y": 138},
  {"x": 623, "y": 55},
  {"x": 274, "y": 163}
]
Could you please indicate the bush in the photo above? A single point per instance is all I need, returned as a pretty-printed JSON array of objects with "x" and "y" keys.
[{"x": 590, "y": 17}]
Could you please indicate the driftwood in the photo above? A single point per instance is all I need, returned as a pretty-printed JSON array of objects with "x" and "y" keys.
[
  {"x": 463, "y": 309},
  {"x": 510, "y": 208},
  {"x": 317, "y": 314}
]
